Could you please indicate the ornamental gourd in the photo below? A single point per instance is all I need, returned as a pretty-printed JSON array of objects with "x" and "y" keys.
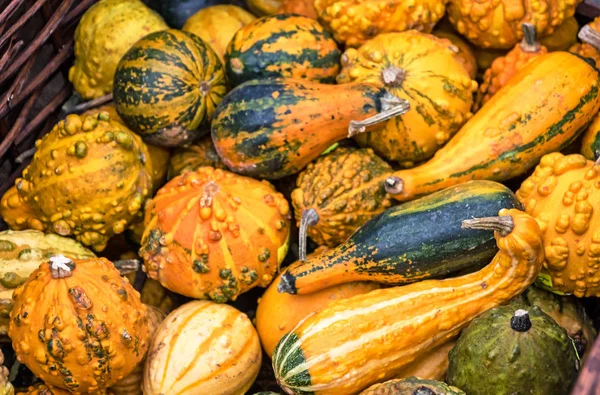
[
  {"x": 338, "y": 193},
  {"x": 282, "y": 45},
  {"x": 463, "y": 50},
  {"x": 264, "y": 7},
  {"x": 353, "y": 22},
  {"x": 301, "y": 7},
  {"x": 177, "y": 12},
  {"x": 78, "y": 325},
  {"x": 564, "y": 36},
  {"x": 430, "y": 366},
  {"x": 274, "y": 127},
  {"x": 6, "y": 388},
  {"x": 43, "y": 389},
  {"x": 505, "y": 67},
  {"x": 590, "y": 45},
  {"x": 508, "y": 136},
  {"x": 562, "y": 195},
  {"x": 426, "y": 71},
  {"x": 203, "y": 348},
  {"x": 190, "y": 158},
  {"x": 217, "y": 25},
  {"x": 590, "y": 143},
  {"x": 509, "y": 350},
  {"x": 497, "y": 24},
  {"x": 104, "y": 33},
  {"x": 410, "y": 242},
  {"x": 214, "y": 234},
  {"x": 88, "y": 179},
  {"x": 167, "y": 86},
  {"x": 323, "y": 357},
  {"x": 278, "y": 313},
  {"x": 412, "y": 386}
]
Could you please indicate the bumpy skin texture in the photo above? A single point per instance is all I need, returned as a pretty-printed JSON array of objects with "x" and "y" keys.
[
  {"x": 567, "y": 312},
  {"x": 17, "y": 213},
  {"x": 510, "y": 135},
  {"x": 497, "y": 24},
  {"x": 278, "y": 313},
  {"x": 345, "y": 188},
  {"x": 132, "y": 383},
  {"x": 587, "y": 50},
  {"x": 21, "y": 253},
  {"x": 190, "y": 158},
  {"x": 590, "y": 144},
  {"x": 301, "y": 7},
  {"x": 167, "y": 81},
  {"x": 563, "y": 194},
  {"x": 203, "y": 348},
  {"x": 216, "y": 25},
  {"x": 104, "y": 34},
  {"x": 88, "y": 179},
  {"x": 6, "y": 388},
  {"x": 43, "y": 389},
  {"x": 83, "y": 332},
  {"x": 503, "y": 69},
  {"x": 464, "y": 50},
  {"x": 435, "y": 82},
  {"x": 355, "y": 21},
  {"x": 322, "y": 356},
  {"x": 564, "y": 36},
  {"x": 282, "y": 45},
  {"x": 491, "y": 357},
  {"x": 412, "y": 386},
  {"x": 214, "y": 234}
]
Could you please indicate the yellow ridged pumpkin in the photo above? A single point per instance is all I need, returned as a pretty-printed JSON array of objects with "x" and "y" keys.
[
  {"x": 203, "y": 348},
  {"x": 105, "y": 32}
]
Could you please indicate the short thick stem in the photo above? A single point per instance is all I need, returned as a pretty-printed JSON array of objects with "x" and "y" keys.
[
  {"x": 520, "y": 321},
  {"x": 590, "y": 36},
  {"x": 391, "y": 107},
  {"x": 393, "y": 185},
  {"x": 61, "y": 266},
  {"x": 126, "y": 266},
  {"x": 503, "y": 224},
  {"x": 530, "y": 42},
  {"x": 393, "y": 76},
  {"x": 310, "y": 217}
]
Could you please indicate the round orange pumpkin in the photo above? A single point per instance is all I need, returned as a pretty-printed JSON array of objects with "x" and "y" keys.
[
  {"x": 212, "y": 234},
  {"x": 203, "y": 348},
  {"x": 78, "y": 325},
  {"x": 279, "y": 313}
]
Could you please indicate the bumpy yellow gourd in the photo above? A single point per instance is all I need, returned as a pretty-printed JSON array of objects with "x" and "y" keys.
[
  {"x": 355, "y": 21},
  {"x": 104, "y": 34},
  {"x": 563, "y": 195}
]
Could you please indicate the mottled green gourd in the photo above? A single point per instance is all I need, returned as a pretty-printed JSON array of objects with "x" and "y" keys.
[
  {"x": 412, "y": 386},
  {"x": 508, "y": 350},
  {"x": 88, "y": 179}
]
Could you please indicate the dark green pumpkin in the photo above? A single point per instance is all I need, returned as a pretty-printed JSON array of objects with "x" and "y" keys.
[
  {"x": 508, "y": 350},
  {"x": 412, "y": 386},
  {"x": 282, "y": 45},
  {"x": 167, "y": 87},
  {"x": 176, "y": 12},
  {"x": 414, "y": 241}
]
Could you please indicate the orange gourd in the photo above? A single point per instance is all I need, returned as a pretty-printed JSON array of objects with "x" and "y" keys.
[
  {"x": 190, "y": 158},
  {"x": 301, "y": 7},
  {"x": 214, "y": 234},
  {"x": 562, "y": 194},
  {"x": 505, "y": 67},
  {"x": 463, "y": 50},
  {"x": 590, "y": 45},
  {"x": 391, "y": 328},
  {"x": 79, "y": 325}
]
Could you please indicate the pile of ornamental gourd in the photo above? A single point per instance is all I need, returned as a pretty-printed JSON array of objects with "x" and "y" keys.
[{"x": 412, "y": 181}]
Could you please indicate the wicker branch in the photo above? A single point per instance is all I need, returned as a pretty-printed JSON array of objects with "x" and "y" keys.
[
  {"x": 7, "y": 99},
  {"x": 21, "y": 21},
  {"x": 6, "y": 143},
  {"x": 89, "y": 104},
  {"x": 8, "y": 11},
  {"x": 13, "y": 48},
  {"x": 77, "y": 11}
]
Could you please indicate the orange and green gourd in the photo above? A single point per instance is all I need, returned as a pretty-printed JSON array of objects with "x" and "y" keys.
[
  {"x": 497, "y": 24},
  {"x": 428, "y": 73},
  {"x": 353, "y": 22},
  {"x": 167, "y": 86},
  {"x": 79, "y": 325},
  {"x": 323, "y": 357},
  {"x": 212, "y": 234},
  {"x": 282, "y": 45},
  {"x": 562, "y": 194},
  {"x": 590, "y": 143},
  {"x": 103, "y": 35},
  {"x": 43, "y": 389},
  {"x": 338, "y": 193},
  {"x": 217, "y": 24},
  {"x": 564, "y": 36},
  {"x": 88, "y": 179},
  {"x": 203, "y": 348},
  {"x": 590, "y": 41},
  {"x": 511, "y": 133},
  {"x": 462, "y": 49},
  {"x": 201, "y": 153},
  {"x": 505, "y": 67}
]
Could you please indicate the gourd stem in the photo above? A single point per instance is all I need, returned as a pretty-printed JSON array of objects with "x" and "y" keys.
[
  {"x": 69, "y": 108},
  {"x": 393, "y": 185},
  {"x": 520, "y": 321},
  {"x": 597, "y": 161},
  {"x": 391, "y": 106},
  {"x": 590, "y": 36},
  {"x": 503, "y": 224},
  {"x": 310, "y": 217},
  {"x": 61, "y": 266},
  {"x": 126, "y": 266},
  {"x": 393, "y": 76},
  {"x": 529, "y": 43}
]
